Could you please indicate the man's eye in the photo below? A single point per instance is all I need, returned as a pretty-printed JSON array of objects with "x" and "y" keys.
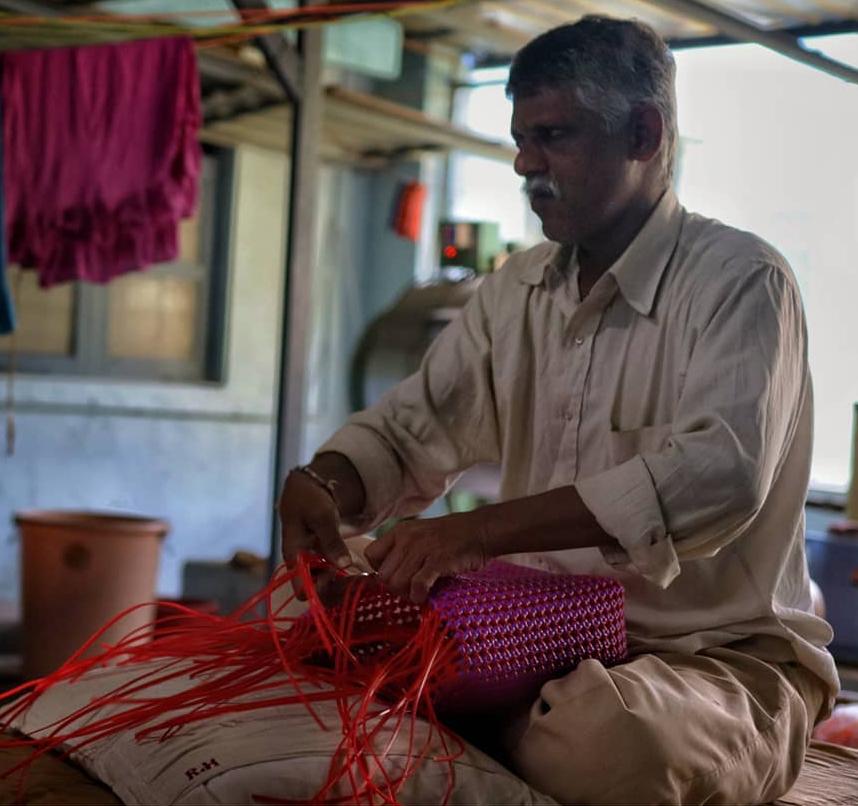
[{"x": 554, "y": 133}]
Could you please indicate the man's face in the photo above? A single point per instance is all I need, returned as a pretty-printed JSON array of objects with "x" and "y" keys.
[{"x": 578, "y": 178}]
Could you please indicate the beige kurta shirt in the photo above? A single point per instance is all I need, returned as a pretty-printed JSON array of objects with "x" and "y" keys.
[{"x": 676, "y": 398}]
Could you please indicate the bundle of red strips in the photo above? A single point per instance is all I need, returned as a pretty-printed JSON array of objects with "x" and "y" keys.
[{"x": 483, "y": 640}]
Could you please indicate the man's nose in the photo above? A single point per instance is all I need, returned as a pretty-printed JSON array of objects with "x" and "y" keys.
[{"x": 529, "y": 160}]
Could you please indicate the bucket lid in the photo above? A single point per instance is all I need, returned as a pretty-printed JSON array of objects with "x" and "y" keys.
[{"x": 89, "y": 521}]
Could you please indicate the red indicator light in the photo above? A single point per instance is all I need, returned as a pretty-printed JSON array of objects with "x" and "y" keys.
[{"x": 450, "y": 251}]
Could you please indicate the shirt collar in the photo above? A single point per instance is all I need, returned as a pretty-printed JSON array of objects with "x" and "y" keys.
[
  {"x": 557, "y": 260},
  {"x": 639, "y": 269}
]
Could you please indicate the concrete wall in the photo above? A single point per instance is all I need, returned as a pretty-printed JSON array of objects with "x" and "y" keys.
[
  {"x": 198, "y": 455},
  {"x": 339, "y": 304},
  {"x": 363, "y": 265}
]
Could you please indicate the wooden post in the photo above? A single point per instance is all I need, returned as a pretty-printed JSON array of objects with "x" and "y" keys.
[
  {"x": 299, "y": 73},
  {"x": 300, "y": 263}
]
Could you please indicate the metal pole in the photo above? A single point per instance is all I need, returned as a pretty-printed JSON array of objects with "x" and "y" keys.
[
  {"x": 300, "y": 264},
  {"x": 299, "y": 73}
]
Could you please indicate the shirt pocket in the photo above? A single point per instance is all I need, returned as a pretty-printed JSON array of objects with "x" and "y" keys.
[{"x": 649, "y": 439}]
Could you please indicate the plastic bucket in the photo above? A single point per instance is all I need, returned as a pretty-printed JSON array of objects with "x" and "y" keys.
[{"x": 79, "y": 569}]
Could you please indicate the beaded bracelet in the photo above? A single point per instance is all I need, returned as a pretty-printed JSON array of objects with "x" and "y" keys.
[{"x": 329, "y": 485}]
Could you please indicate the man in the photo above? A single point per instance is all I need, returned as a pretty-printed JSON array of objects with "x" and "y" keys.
[{"x": 643, "y": 380}]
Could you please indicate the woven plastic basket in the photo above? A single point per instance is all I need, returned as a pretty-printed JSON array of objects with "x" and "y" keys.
[{"x": 514, "y": 628}]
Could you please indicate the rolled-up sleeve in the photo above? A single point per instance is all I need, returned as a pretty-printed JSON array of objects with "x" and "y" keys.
[
  {"x": 745, "y": 385},
  {"x": 411, "y": 446}
]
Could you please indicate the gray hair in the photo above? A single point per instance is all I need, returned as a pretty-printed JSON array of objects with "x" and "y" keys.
[{"x": 612, "y": 65}]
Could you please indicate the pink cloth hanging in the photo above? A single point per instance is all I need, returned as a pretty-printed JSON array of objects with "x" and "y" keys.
[{"x": 101, "y": 156}]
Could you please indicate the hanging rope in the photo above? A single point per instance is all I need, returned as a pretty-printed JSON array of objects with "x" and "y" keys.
[{"x": 73, "y": 29}]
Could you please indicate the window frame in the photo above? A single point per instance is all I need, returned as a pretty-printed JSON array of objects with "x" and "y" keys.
[{"x": 88, "y": 355}]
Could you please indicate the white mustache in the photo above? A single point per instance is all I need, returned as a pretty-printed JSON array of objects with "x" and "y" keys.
[{"x": 535, "y": 186}]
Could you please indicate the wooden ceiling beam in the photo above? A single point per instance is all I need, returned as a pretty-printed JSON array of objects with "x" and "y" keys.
[
  {"x": 414, "y": 126},
  {"x": 280, "y": 55},
  {"x": 534, "y": 17},
  {"x": 225, "y": 67},
  {"x": 469, "y": 24},
  {"x": 387, "y": 126}
]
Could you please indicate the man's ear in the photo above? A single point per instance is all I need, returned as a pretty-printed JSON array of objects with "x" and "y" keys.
[{"x": 646, "y": 129}]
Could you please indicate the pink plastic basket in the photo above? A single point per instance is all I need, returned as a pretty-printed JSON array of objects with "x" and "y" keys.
[{"x": 514, "y": 629}]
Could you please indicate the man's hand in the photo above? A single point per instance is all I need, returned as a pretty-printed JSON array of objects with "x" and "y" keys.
[
  {"x": 415, "y": 553},
  {"x": 310, "y": 515},
  {"x": 310, "y": 522}
]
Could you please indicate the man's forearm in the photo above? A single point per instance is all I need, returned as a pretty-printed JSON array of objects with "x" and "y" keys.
[
  {"x": 551, "y": 521},
  {"x": 348, "y": 485}
]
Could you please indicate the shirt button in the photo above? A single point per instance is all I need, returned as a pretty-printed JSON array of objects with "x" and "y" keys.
[{"x": 579, "y": 341}]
